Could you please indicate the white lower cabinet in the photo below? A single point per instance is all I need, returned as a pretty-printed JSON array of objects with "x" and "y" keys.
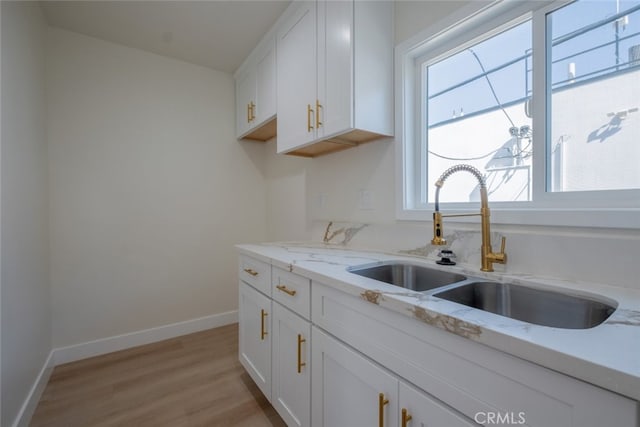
[
  {"x": 275, "y": 337},
  {"x": 254, "y": 336},
  {"x": 478, "y": 382},
  {"x": 348, "y": 389},
  {"x": 352, "y": 363},
  {"x": 291, "y": 373}
]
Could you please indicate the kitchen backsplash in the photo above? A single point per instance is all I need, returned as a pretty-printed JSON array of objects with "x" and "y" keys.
[{"x": 609, "y": 257}]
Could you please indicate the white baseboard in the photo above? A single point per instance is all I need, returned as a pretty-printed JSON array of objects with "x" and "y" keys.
[
  {"x": 31, "y": 402},
  {"x": 147, "y": 336}
]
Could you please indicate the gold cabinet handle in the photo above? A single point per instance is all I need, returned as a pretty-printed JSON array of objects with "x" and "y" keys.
[
  {"x": 263, "y": 333},
  {"x": 249, "y": 113},
  {"x": 253, "y": 111},
  {"x": 406, "y": 417},
  {"x": 318, "y": 107},
  {"x": 251, "y": 272},
  {"x": 286, "y": 290},
  {"x": 381, "y": 403},
  {"x": 309, "y": 116},
  {"x": 300, "y": 362}
]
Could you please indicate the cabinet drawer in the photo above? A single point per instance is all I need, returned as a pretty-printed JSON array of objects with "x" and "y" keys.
[
  {"x": 256, "y": 273},
  {"x": 292, "y": 291}
]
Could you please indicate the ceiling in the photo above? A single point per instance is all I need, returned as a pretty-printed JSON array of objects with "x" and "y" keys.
[{"x": 216, "y": 34}]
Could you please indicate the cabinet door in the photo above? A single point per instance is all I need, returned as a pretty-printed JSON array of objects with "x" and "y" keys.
[
  {"x": 266, "y": 83},
  {"x": 245, "y": 99},
  {"x": 425, "y": 411},
  {"x": 255, "y": 336},
  {"x": 346, "y": 387},
  {"x": 291, "y": 370},
  {"x": 296, "y": 90},
  {"x": 335, "y": 66}
]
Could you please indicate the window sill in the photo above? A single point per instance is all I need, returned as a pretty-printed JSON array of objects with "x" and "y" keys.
[{"x": 592, "y": 218}]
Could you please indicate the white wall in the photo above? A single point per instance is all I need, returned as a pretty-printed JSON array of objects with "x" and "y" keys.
[
  {"x": 26, "y": 313},
  {"x": 149, "y": 189},
  {"x": 286, "y": 185},
  {"x": 413, "y": 16},
  {"x": 595, "y": 148}
]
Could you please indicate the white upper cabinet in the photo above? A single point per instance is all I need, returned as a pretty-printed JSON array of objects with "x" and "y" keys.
[
  {"x": 334, "y": 80},
  {"x": 297, "y": 63},
  {"x": 245, "y": 96},
  {"x": 256, "y": 93}
]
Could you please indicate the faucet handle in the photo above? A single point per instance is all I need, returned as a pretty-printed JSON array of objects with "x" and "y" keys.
[
  {"x": 497, "y": 257},
  {"x": 500, "y": 257}
]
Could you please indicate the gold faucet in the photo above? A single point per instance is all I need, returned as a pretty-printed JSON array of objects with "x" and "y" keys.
[{"x": 487, "y": 254}]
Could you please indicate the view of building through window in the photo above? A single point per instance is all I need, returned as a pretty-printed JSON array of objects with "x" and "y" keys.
[
  {"x": 478, "y": 106},
  {"x": 594, "y": 141}
]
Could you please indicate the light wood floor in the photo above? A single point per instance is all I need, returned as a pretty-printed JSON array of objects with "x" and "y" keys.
[{"x": 193, "y": 380}]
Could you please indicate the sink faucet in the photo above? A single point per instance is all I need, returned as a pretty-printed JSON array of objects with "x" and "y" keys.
[{"x": 487, "y": 254}]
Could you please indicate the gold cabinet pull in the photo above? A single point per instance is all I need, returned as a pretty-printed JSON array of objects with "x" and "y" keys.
[
  {"x": 300, "y": 362},
  {"x": 309, "y": 116},
  {"x": 286, "y": 290},
  {"x": 251, "y": 272},
  {"x": 406, "y": 417},
  {"x": 249, "y": 113},
  {"x": 253, "y": 111},
  {"x": 318, "y": 107},
  {"x": 263, "y": 333},
  {"x": 381, "y": 403}
]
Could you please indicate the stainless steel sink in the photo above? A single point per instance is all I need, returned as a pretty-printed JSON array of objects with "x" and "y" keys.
[
  {"x": 537, "y": 306},
  {"x": 409, "y": 276}
]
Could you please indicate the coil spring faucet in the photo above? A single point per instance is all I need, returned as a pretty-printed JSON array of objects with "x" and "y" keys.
[{"x": 488, "y": 257}]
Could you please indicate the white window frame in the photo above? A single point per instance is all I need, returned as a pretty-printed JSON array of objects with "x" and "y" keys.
[{"x": 598, "y": 209}]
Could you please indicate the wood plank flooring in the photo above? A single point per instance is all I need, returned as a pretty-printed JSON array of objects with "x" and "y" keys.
[{"x": 193, "y": 380}]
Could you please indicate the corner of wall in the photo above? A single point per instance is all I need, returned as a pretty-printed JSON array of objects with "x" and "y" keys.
[{"x": 25, "y": 306}]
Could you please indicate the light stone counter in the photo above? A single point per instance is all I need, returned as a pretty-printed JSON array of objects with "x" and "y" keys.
[{"x": 607, "y": 355}]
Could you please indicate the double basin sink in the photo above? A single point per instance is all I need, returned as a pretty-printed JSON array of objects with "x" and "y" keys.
[{"x": 532, "y": 305}]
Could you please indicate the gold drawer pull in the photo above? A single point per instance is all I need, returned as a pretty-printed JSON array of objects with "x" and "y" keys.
[
  {"x": 300, "y": 362},
  {"x": 263, "y": 333},
  {"x": 248, "y": 113},
  {"x": 286, "y": 290},
  {"x": 251, "y": 272},
  {"x": 405, "y": 417},
  {"x": 381, "y": 403}
]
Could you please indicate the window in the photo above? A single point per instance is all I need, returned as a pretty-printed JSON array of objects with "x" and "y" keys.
[
  {"x": 594, "y": 54},
  {"x": 542, "y": 99},
  {"x": 475, "y": 114}
]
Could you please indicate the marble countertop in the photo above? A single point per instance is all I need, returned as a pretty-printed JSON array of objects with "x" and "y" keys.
[{"x": 607, "y": 355}]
